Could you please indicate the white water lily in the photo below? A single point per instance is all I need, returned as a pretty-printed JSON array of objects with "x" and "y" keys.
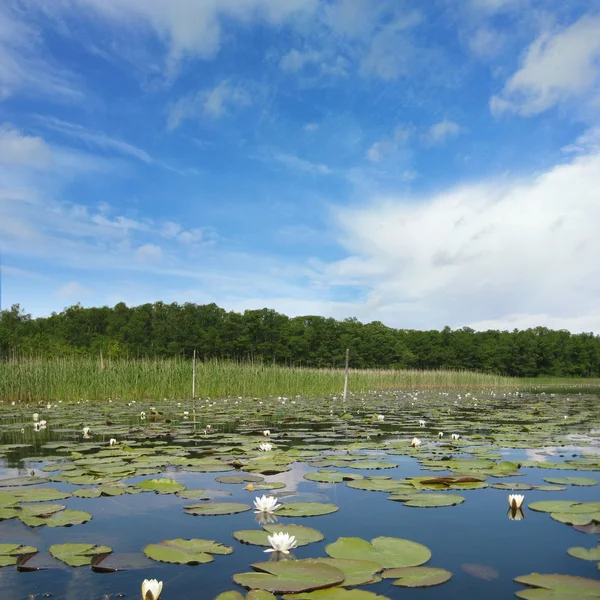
[
  {"x": 266, "y": 433},
  {"x": 441, "y": 434},
  {"x": 42, "y": 423},
  {"x": 186, "y": 413},
  {"x": 112, "y": 442},
  {"x": 48, "y": 406},
  {"x": 281, "y": 542},
  {"x": 380, "y": 417},
  {"x": 266, "y": 447},
  {"x": 36, "y": 427},
  {"x": 455, "y": 437},
  {"x": 416, "y": 442},
  {"x": 35, "y": 416},
  {"x": 86, "y": 432},
  {"x": 422, "y": 422},
  {"x": 266, "y": 504},
  {"x": 142, "y": 415},
  {"x": 516, "y": 500},
  {"x": 151, "y": 589}
]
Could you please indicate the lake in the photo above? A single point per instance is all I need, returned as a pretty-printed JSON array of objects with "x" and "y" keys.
[{"x": 450, "y": 496}]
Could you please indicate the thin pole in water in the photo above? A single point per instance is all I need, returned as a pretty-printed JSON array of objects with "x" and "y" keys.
[
  {"x": 194, "y": 376},
  {"x": 346, "y": 373}
]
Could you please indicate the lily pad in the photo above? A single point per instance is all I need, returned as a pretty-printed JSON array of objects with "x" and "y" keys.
[
  {"x": 389, "y": 552},
  {"x": 290, "y": 576},
  {"x": 417, "y": 576},
  {"x": 584, "y": 553},
  {"x": 432, "y": 500},
  {"x": 9, "y": 553},
  {"x": 40, "y": 494},
  {"x": 356, "y": 572},
  {"x": 578, "y": 481},
  {"x": 336, "y": 593},
  {"x": 257, "y": 537},
  {"x": 306, "y": 509},
  {"x": 161, "y": 486},
  {"x": 382, "y": 485},
  {"x": 567, "y": 585},
  {"x": 77, "y": 555},
  {"x": 186, "y": 552},
  {"x": 216, "y": 508}
]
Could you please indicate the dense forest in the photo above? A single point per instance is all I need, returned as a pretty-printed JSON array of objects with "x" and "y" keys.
[{"x": 166, "y": 330}]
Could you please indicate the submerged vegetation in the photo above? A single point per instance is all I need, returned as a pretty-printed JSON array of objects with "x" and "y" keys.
[
  {"x": 30, "y": 379},
  {"x": 177, "y": 330}
]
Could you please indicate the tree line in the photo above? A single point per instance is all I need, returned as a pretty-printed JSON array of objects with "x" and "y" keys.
[{"x": 169, "y": 330}]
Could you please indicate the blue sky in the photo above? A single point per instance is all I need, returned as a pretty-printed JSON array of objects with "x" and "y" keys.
[{"x": 418, "y": 163}]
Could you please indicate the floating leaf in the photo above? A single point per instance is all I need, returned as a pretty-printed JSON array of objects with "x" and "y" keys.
[
  {"x": 216, "y": 508},
  {"x": 240, "y": 479},
  {"x": 161, "y": 486},
  {"x": 584, "y": 553},
  {"x": 356, "y": 572},
  {"x": 382, "y": 485},
  {"x": 40, "y": 495},
  {"x": 336, "y": 593},
  {"x": 186, "y": 552},
  {"x": 257, "y": 537},
  {"x": 567, "y": 585},
  {"x": 306, "y": 509},
  {"x": 10, "y": 552},
  {"x": 389, "y": 552},
  {"x": 77, "y": 555},
  {"x": 578, "y": 481},
  {"x": 290, "y": 576},
  {"x": 417, "y": 576},
  {"x": 431, "y": 500}
]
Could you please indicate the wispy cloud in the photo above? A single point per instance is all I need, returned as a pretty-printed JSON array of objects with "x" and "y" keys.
[
  {"x": 556, "y": 67},
  {"x": 440, "y": 132},
  {"x": 300, "y": 164},
  {"x": 211, "y": 104}
]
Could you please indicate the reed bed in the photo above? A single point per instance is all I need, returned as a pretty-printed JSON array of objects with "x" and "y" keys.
[{"x": 74, "y": 378}]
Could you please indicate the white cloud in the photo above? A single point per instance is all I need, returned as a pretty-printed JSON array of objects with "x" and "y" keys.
[
  {"x": 294, "y": 162},
  {"x": 486, "y": 42},
  {"x": 25, "y": 65},
  {"x": 383, "y": 148},
  {"x": 589, "y": 141},
  {"x": 556, "y": 67},
  {"x": 295, "y": 60},
  {"x": 393, "y": 53},
  {"x": 213, "y": 104},
  {"x": 74, "y": 290},
  {"x": 442, "y": 131},
  {"x": 480, "y": 253},
  {"x": 189, "y": 28},
  {"x": 149, "y": 253},
  {"x": 311, "y": 127},
  {"x": 19, "y": 149}
]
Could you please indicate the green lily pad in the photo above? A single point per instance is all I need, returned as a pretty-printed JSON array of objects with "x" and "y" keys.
[
  {"x": 290, "y": 576},
  {"x": 257, "y": 537},
  {"x": 512, "y": 486},
  {"x": 584, "y": 553},
  {"x": 580, "y": 481},
  {"x": 568, "y": 585},
  {"x": 331, "y": 476},
  {"x": 564, "y": 506},
  {"x": 39, "y": 494},
  {"x": 356, "y": 572},
  {"x": 417, "y": 576},
  {"x": 113, "y": 563},
  {"x": 186, "y": 552},
  {"x": 9, "y": 553},
  {"x": 87, "y": 493},
  {"x": 35, "y": 515},
  {"x": 306, "y": 509},
  {"x": 67, "y": 518},
  {"x": 215, "y": 508},
  {"x": 371, "y": 464},
  {"x": 201, "y": 494},
  {"x": 77, "y": 555},
  {"x": 336, "y": 593},
  {"x": 389, "y": 552},
  {"x": 432, "y": 500},
  {"x": 20, "y": 481},
  {"x": 382, "y": 485},
  {"x": 576, "y": 518},
  {"x": 240, "y": 479},
  {"x": 161, "y": 486}
]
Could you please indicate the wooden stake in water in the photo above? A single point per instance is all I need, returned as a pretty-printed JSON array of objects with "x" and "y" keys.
[
  {"x": 194, "y": 375},
  {"x": 346, "y": 373}
]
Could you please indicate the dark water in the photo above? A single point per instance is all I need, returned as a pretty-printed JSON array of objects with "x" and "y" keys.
[{"x": 476, "y": 532}]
